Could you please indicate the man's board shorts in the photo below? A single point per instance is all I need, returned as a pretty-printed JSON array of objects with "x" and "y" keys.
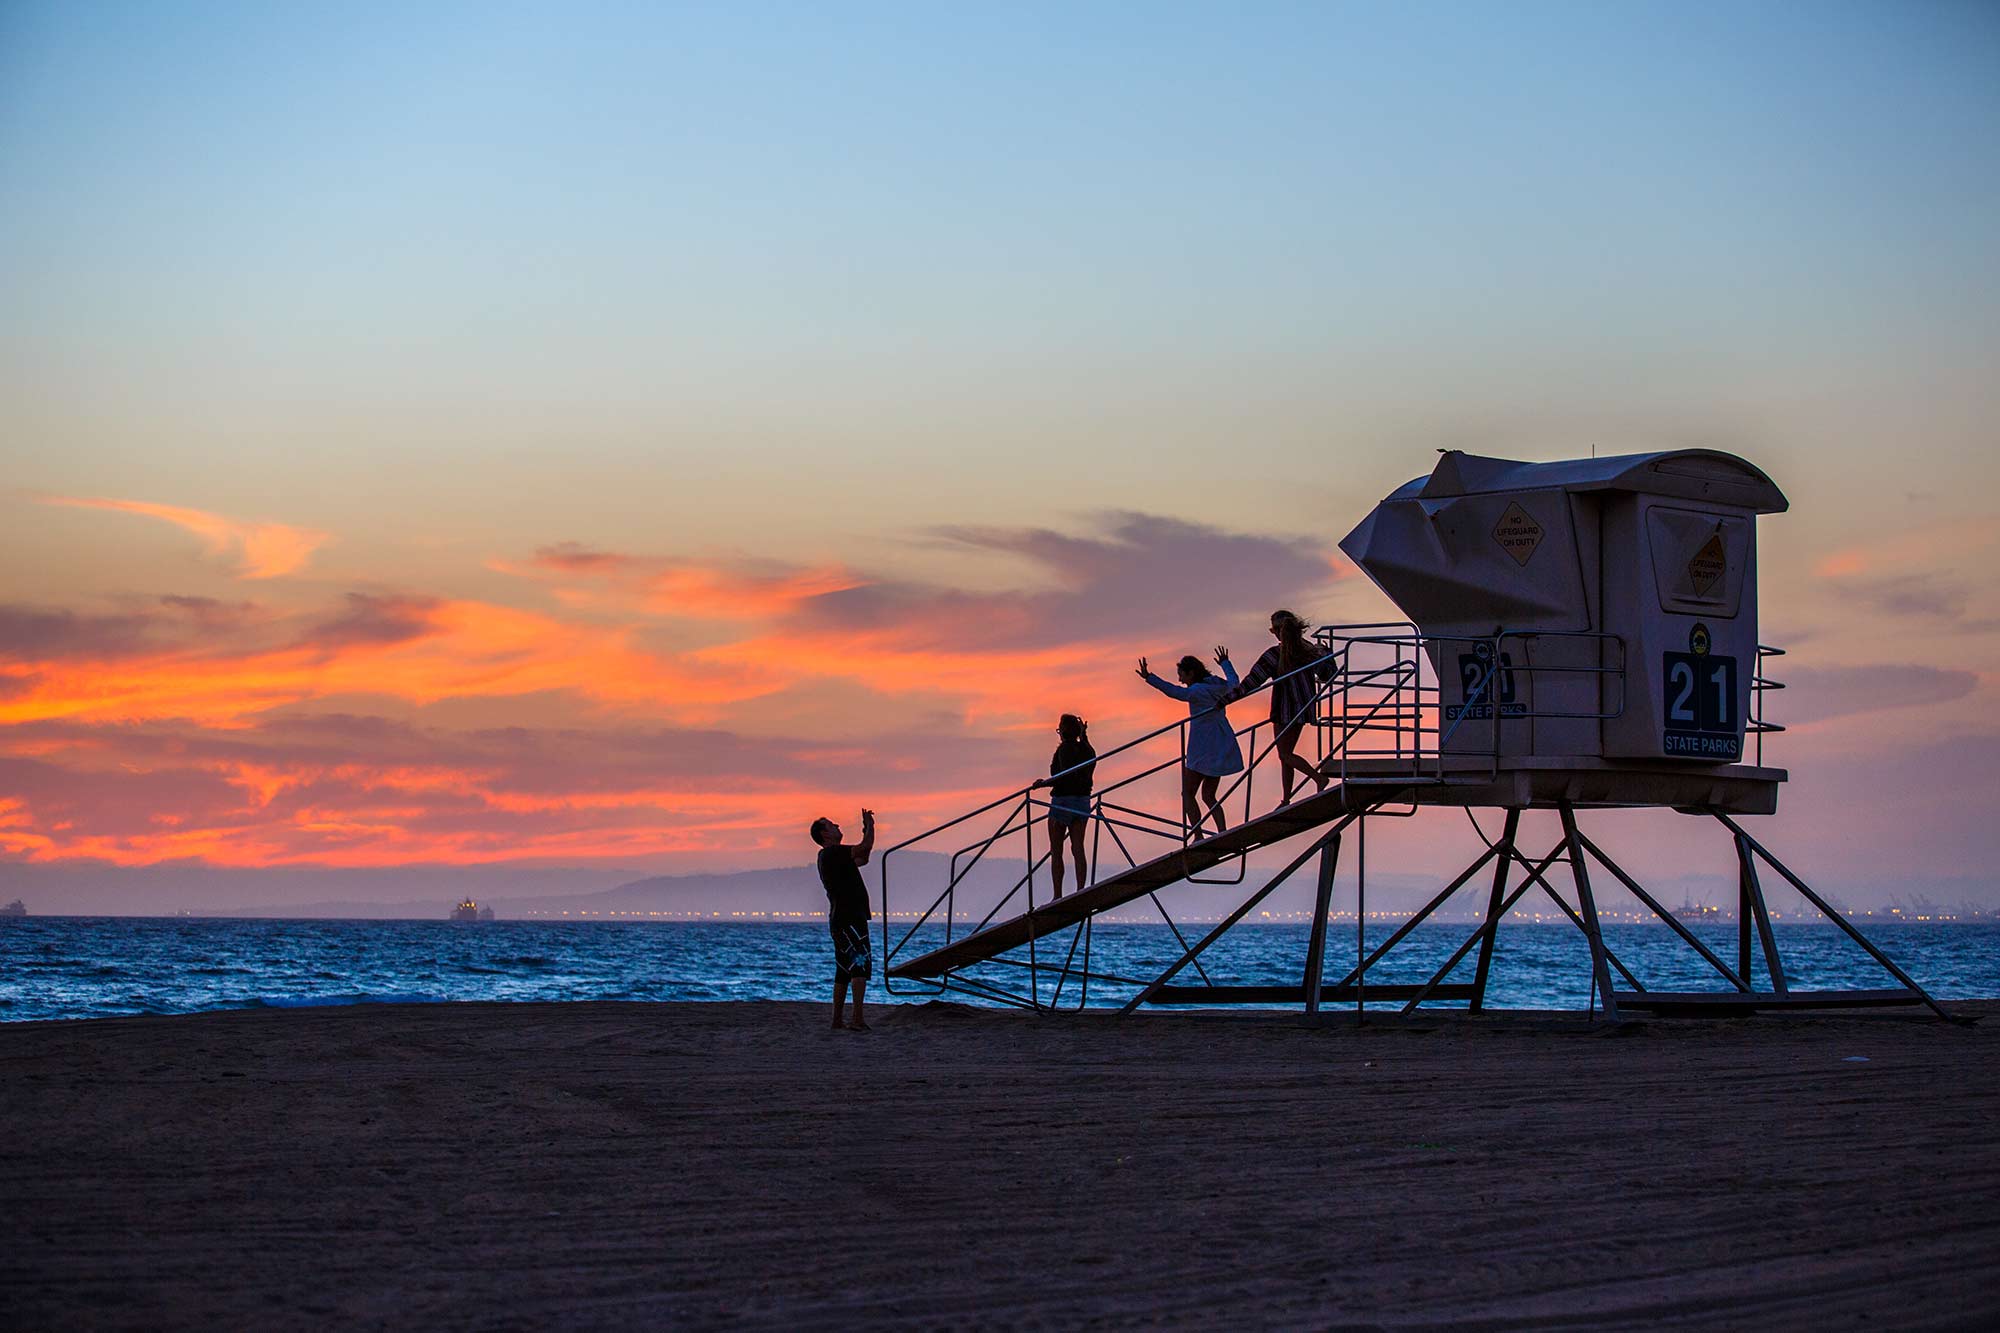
[
  {"x": 1067, "y": 810},
  {"x": 851, "y": 958}
]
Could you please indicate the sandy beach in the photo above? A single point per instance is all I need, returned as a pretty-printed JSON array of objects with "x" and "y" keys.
[{"x": 629, "y": 1166}]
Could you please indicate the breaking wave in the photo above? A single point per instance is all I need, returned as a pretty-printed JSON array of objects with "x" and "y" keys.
[{"x": 325, "y": 1001}]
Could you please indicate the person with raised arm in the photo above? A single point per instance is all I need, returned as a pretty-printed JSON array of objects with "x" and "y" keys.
[
  {"x": 1291, "y": 663},
  {"x": 1212, "y": 752},
  {"x": 1071, "y": 771},
  {"x": 847, "y": 910}
]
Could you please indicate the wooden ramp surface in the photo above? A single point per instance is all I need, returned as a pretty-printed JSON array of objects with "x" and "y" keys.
[{"x": 1302, "y": 815}]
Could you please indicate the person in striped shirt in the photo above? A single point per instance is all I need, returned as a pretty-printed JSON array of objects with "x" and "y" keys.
[{"x": 1290, "y": 661}]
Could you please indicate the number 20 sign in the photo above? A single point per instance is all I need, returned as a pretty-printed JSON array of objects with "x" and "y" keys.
[{"x": 1699, "y": 715}]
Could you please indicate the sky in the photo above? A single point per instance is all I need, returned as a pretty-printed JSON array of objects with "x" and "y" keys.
[{"x": 611, "y": 435}]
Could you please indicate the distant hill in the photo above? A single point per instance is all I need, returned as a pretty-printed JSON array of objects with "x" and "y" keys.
[
  {"x": 96, "y": 889},
  {"x": 791, "y": 892},
  {"x": 918, "y": 878},
  {"x": 786, "y": 892}
]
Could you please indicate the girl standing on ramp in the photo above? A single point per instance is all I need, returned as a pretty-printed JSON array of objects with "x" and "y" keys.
[
  {"x": 1071, "y": 771},
  {"x": 1212, "y": 752},
  {"x": 1291, "y": 663}
]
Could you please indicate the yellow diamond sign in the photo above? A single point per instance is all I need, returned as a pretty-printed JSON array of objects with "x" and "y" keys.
[
  {"x": 1518, "y": 533},
  {"x": 1708, "y": 566}
]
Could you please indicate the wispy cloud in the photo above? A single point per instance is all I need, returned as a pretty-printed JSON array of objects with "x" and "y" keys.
[
  {"x": 706, "y": 590},
  {"x": 260, "y": 550},
  {"x": 1817, "y": 694},
  {"x": 1918, "y": 572},
  {"x": 1914, "y": 545},
  {"x": 1939, "y": 599}
]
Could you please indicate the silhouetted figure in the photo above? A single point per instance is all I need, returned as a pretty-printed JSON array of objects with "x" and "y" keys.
[
  {"x": 1212, "y": 751},
  {"x": 1293, "y": 696},
  {"x": 1071, "y": 772},
  {"x": 846, "y": 909}
]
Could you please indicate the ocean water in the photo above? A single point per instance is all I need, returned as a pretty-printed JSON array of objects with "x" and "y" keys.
[{"x": 84, "y": 967}]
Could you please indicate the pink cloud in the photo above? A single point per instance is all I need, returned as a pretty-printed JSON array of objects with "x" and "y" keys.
[
  {"x": 261, "y": 550},
  {"x": 704, "y": 590},
  {"x": 1922, "y": 547},
  {"x": 1818, "y": 694}
]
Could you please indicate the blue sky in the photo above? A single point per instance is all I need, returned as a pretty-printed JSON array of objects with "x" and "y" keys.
[{"x": 749, "y": 189}]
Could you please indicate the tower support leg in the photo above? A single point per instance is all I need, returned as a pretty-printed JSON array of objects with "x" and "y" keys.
[
  {"x": 1838, "y": 919},
  {"x": 1222, "y": 927},
  {"x": 1506, "y": 848},
  {"x": 1395, "y": 938},
  {"x": 1329, "y": 859},
  {"x": 1747, "y": 869},
  {"x": 1610, "y": 954},
  {"x": 1638, "y": 891},
  {"x": 1535, "y": 870},
  {"x": 1744, "y": 920},
  {"x": 1599, "y": 968}
]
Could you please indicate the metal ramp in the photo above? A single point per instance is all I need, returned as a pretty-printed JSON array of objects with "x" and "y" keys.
[
  {"x": 1369, "y": 718},
  {"x": 1135, "y": 882}
]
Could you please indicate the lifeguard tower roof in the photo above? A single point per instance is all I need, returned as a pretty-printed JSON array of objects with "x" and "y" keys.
[
  {"x": 1586, "y": 581},
  {"x": 1691, "y": 474}
]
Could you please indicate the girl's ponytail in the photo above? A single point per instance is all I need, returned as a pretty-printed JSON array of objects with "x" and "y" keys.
[{"x": 1293, "y": 648}]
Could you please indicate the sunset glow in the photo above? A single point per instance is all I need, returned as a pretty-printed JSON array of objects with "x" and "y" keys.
[{"x": 625, "y": 474}]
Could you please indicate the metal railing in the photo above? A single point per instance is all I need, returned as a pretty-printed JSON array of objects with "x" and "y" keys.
[
  {"x": 1402, "y": 701},
  {"x": 1378, "y": 715},
  {"x": 1760, "y": 685}
]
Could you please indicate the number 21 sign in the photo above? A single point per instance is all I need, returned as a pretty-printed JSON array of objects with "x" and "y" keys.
[{"x": 1700, "y": 716}]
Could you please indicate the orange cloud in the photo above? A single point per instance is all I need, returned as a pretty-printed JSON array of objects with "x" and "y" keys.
[
  {"x": 186, "y": 729},
  {"x": 696, "y": 591},
  {"x": 1924, "y": 546},
  {"x": 992, "y": 686},
  {"x": 1928, "y": 575},
  {"x": 262, "y": 550},
  {"x": 354, "y": 815},
  {"x": 714, "y": 591},
  {"x": 425, "y": 653}
]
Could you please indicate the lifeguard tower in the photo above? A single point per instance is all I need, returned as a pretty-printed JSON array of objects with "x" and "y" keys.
[{"x": 1582, "y": 635}]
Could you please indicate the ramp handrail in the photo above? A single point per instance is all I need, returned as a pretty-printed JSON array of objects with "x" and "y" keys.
[{"x": 1020, "y": 804}]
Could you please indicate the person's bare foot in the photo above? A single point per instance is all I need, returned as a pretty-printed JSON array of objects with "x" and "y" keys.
[
  {"x": 858, "y": 1026},
  {"x": 839, "y": 1026}
]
